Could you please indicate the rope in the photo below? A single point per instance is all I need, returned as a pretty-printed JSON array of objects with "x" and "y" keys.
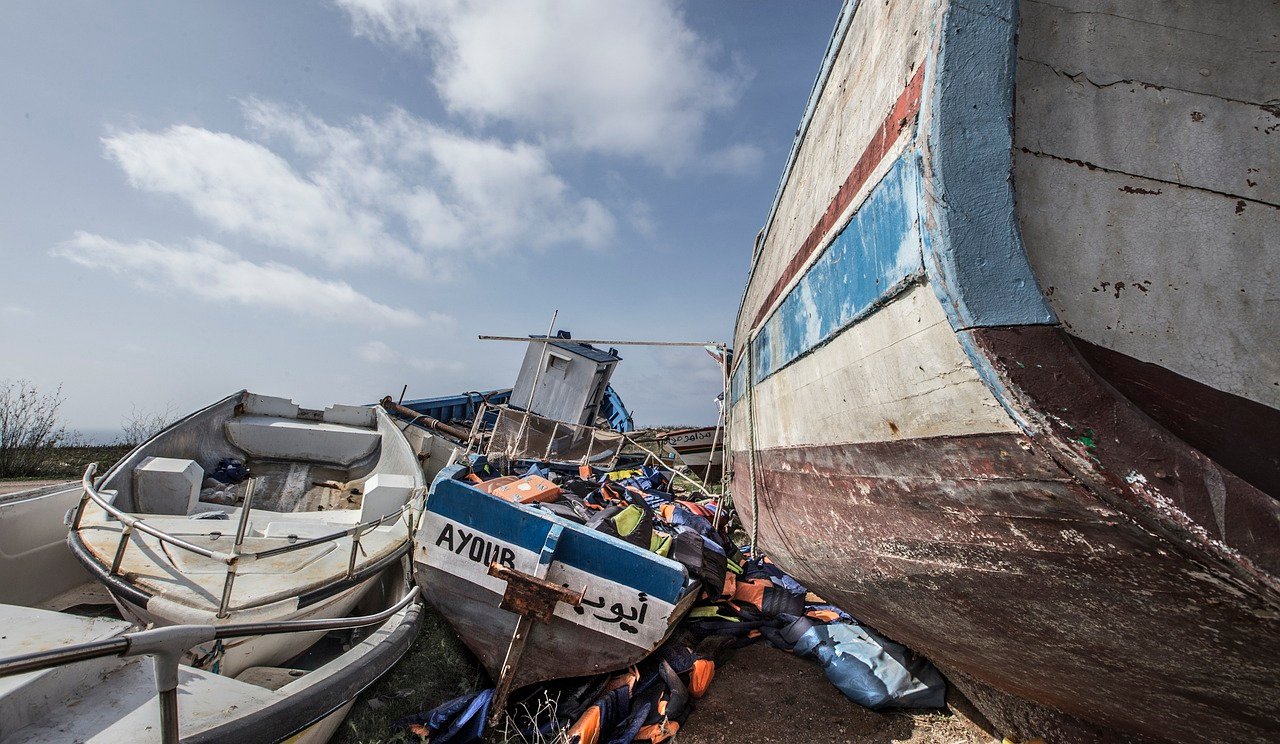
[
  {"x": 658, "y": 457},
  {"x": 751, "y": 444}
]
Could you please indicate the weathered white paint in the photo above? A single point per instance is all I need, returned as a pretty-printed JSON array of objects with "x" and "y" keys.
[
  {"x": 433, "y": 451},
  {"x": 884, "y": 46},
  {"x": 385, "y": 493},
  {"x": 900, "y": 373},
  {"x": 168, "y": 485},
  {"x": 571, "y": 381},
  {"x": 1189, "y": 139},
  {"x": 32, "y": 534},
  {"x": 195, "y": 581},
  {"x": 186, "y": 587},
  {"x": 1147, "y": 180},
  {"x": 1220, "y": 48},
  {"x": 110, "y": 700},
  {"x": 601, "y": 594},
  {"x": 1199, "y": 293},
  {"x": 279, "y": 438},
  {"x": 28, "y": 697}
]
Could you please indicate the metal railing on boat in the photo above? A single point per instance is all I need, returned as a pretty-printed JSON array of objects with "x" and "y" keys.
[
  {"x": 167, "y": 645},
  {"x": 234, "y": 559}
]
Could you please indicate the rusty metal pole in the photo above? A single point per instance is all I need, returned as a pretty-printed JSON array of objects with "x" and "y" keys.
[
  {"x": 422, "y": 418},
  {"x": 531, "y": 597},
  {"x": 498, "y": 703}
]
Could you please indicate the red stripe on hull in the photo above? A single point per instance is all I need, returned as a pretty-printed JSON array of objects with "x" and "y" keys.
[
  {"x": 900, "y": 117},
  {"x": 984, "y": 554}
]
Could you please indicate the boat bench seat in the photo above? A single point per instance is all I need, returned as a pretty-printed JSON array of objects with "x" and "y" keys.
[
  {"x": 25, "y": 698},
  {"x": 261, "y": 523},
  {"x": 303, "y": 530},
  {"x": 315, "y": 441}
]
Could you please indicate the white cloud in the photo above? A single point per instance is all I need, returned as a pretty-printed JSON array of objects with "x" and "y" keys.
[
  {"x": 242, "y": 187},
  {"x": 382, "y": 355},
  {"x": 16, "y": 311},
  {"x": 376, "y": 352},
  {"x": 452, "y": 192},
  {"x": 210, "y": 271},
  {"x": 396, "y": 191},
  {"x": 735, "y": 160},
  {"x": 629, "y": 78}
]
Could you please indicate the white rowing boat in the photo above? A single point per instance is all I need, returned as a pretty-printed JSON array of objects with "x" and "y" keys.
[
  {"x": 78, "y": 673},
  {"x": 67, "y": 677},
  {"x": 328, "y": 506}
]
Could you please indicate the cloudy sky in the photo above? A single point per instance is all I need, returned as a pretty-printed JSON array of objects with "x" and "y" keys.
[{"x": 330, "y": 200}]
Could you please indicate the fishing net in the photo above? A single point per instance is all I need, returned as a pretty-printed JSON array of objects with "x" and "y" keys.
[{"x": 519, "y": 435}]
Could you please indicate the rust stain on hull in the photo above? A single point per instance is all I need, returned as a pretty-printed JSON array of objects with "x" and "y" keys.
[
  {"x": 1029, "y": 584},
  {"x": 1101, "y": 568}
]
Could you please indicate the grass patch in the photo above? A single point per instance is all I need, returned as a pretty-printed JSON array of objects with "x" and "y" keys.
[
  {"x": 437, "y": 668},
  {"x": 70, "y": 462}
]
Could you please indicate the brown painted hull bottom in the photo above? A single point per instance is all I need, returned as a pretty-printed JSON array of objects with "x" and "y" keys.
[
  {"x": 1234, "y": 432},
  {"x": 985, "y": 555}
]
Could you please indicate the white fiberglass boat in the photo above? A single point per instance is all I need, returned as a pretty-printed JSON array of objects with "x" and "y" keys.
[{"x": 251, "y": 510}]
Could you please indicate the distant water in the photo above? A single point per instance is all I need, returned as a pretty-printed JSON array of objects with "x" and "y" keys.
[{"x": 100, "y": 436}]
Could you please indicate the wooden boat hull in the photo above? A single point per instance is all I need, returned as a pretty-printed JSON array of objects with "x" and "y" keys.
[
  {"x": 1008, "y": 393},
  {"x": 702, "y": 450},
  {"x": 632, "y": 597}
]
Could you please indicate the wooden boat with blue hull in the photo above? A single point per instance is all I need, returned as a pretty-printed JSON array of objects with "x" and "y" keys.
[
  {"x": 1007, "y": 383},
  {"x": 628, "y": 598}
]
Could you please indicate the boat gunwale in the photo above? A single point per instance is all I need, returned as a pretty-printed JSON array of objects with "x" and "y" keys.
[{"x": 578, "y": 530}]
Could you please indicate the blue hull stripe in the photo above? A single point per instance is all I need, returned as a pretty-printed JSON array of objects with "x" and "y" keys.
[
  {"x": 876, "y": 254},
  {"x": 580, "y": 547}
]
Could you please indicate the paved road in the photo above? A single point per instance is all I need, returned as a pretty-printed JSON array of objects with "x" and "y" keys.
[{"x": 9, "y": 486}]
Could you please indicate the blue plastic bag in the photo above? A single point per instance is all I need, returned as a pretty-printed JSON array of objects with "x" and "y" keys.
[{"x": 872, "y": 671}]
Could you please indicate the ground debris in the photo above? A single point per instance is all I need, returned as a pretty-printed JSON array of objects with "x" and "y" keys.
[{"x": 767, "y": 696}]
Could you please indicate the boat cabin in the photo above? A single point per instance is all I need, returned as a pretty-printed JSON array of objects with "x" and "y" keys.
[{"x": 571, "y": 378}]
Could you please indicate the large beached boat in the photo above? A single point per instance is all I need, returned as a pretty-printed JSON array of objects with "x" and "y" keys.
[{"x": 1008, "y": 369}]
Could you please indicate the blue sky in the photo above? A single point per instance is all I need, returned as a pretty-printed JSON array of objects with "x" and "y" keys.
[{"x": 330, "y": 200}]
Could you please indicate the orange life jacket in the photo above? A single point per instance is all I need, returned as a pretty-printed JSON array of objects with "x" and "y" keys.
[
  {"x": 664, "y": 730},
  {"x": 730, "y": 584},
  {"x": 586, "y": 730},
  {"x": 704, "y": 670},
  {"x": 751, "y": 592}
]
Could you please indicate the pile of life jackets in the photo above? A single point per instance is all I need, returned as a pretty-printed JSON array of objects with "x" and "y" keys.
[
  {"x": 646, "y": 702},
  {"x": 762, "y": 602},
  {"x": 637, "y": 506},
  {"x": 743, "y": 599}
]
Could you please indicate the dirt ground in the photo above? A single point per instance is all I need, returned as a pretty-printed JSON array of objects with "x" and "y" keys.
[
  {"x": 766, "y": 696},
  {"x": 11, "y": 486}
]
